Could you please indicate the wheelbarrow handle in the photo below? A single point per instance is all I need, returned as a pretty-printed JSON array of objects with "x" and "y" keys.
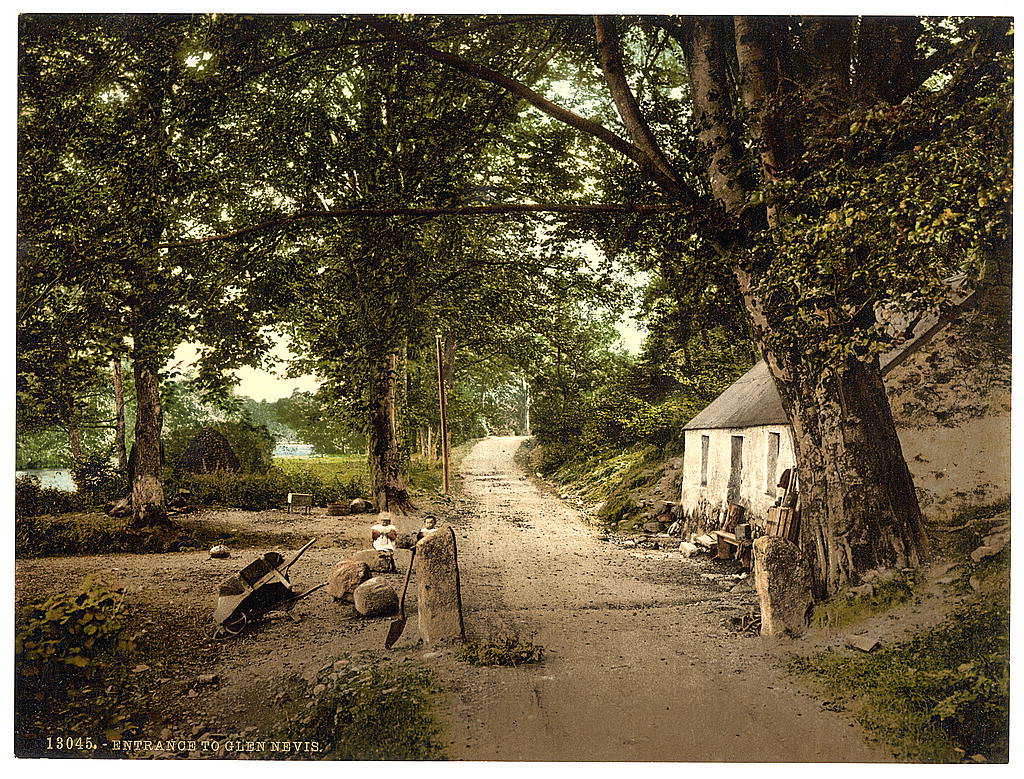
[{"x": 298, "y": 555}]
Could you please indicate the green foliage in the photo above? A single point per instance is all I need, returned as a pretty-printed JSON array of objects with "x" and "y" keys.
[
  {"x": 367, "y": 708},
  {"x": 98, "y": 481},
  {"x": 82, "y": 534},
  {"x": 259, "y": 491},
  {"x": 848, "y": 608},
  {"x": 503, "y": 649},
  {"x": 252, "y": 444},
  {"x": 70, "y": 661},
  {"x": 938, "y": 696},
  {"x": 32, "y": 499}
]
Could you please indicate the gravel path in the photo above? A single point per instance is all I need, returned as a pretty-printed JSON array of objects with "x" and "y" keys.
[{"x": 638, "y": 664}]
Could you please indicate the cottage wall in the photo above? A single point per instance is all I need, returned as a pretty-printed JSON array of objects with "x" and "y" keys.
[{"x": 704, "y": 505}]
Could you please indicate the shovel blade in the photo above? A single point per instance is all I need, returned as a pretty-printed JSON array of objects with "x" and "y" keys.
[{"x": 394, "y": 631}]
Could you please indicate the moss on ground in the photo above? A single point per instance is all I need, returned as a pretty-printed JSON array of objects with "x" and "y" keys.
[{"x": 845, "y": 609}]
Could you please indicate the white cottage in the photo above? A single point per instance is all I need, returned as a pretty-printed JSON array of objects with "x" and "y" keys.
[{"x": 952, "y": 418}]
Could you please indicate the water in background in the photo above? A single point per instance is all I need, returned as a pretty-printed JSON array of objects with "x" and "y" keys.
[
  {"x": 293, "y": 450},
  {"x": 50, "y": 477}
]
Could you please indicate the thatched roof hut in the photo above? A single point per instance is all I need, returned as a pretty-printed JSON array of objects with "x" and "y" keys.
[{"x": 208, "y": 452}]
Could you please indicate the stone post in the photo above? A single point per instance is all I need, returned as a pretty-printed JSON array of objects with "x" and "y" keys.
[
  {"x": 437, "y": 579},
  {"x": 782, "y": 579}
]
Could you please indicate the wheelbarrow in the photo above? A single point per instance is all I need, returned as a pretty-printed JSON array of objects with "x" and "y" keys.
[{"x": 260, "y": 587}]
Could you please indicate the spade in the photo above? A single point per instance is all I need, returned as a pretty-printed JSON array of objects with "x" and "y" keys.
[{"x": 398, "y": 623}]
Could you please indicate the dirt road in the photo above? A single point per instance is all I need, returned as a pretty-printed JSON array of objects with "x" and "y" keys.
[{"x": 638, "y": 663}]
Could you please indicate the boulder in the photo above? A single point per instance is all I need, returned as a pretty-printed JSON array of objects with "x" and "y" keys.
[
  {"x": 375, "y": 598},
  {"x": 378, "y": 560},
  {"x": 782, "y": 579},
  {"x": 346, "y": 576},
  {"x": 437, "y": 578},
  {"x": 406, "y": 540},
  {"x": 360, "y": 506},
  {"x": 220, "y": 552}
]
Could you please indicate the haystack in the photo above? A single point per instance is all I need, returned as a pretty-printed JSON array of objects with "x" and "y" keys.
[{"x": 208, "y": 452}]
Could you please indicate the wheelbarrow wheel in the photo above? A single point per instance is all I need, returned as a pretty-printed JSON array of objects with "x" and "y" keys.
[{"x": 231, "y": 626}]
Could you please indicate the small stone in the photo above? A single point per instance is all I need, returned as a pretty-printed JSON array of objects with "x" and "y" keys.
[
  {"x": 978, "y": 758},
  {"x": 207, "y": 679},
  {"x": 220, "y": 552},
  {"x": 629, "y": 543},
  {"x": 687, "y": 549},
  {"x": 193, "y": 694},
  {"x": 139, "y": 669},
  {"x": 975, "y": 583},
  {"x": 863, "y": 643},
  {"x": 375, "y": 598}
]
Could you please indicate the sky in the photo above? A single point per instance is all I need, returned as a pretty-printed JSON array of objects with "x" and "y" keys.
[{"x": 272, "y": 385}]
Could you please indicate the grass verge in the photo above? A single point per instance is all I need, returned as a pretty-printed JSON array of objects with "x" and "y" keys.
[{"x": 938, "y": 697}]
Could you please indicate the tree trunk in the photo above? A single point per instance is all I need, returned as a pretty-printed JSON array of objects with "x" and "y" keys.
[
  {"x": 857, "y": 501},
  {"x": 120, "y": 446},
  {"x": 149, "y": 510},
  {"x": 74, "y": 436},
  {"x": 385, "y": 454}
]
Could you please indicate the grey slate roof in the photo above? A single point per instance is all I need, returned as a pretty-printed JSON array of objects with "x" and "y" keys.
[{"x": 753, "y": 400}]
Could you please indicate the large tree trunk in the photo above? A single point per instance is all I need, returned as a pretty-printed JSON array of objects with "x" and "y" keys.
[
  {"x": 857, "y": 501},
  {"x": 120, "y": 447},
  {"x": 387, "y": 470},
  {"x": 149, "y": 510}
]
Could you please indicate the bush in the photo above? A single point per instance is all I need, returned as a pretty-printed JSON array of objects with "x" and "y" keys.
[
  {"x": 368, "y": 709},
  {"x": 256, "y": 492},
  {"x": 31, "y": 499},
  {"x": 48, "y": 536},
  {"x": 98, "y": 481},
  {"x": 506, "y": 649},
  {"x": 70, "y": 666}
]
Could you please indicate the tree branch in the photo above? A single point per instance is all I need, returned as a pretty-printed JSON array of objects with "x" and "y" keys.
[
  {"x": 509, "y": 208},
  {"x": 610, "y": 50},
  {"x": 595, "y": 129}
]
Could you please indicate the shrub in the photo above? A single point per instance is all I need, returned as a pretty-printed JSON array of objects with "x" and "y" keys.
[
  {"x": 369, "y": 709},
  {"x": 31, "y": 499},
  {"x": 98, "y": 481},
  {"x": 70, "y": 666},
  {"x": 256, "y": 492},
  {"x": 505, "y": 649}
]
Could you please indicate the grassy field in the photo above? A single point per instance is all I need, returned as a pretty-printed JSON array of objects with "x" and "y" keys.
[{"x": 425, "y": 476}]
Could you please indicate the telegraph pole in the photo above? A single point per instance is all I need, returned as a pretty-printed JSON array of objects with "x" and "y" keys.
[{"x": 443, "y": 400}]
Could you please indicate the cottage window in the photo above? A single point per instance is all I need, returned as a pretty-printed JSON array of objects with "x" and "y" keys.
[
  {"x": 772, "y": 465},
  {"x": 705, "y": 443}
]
